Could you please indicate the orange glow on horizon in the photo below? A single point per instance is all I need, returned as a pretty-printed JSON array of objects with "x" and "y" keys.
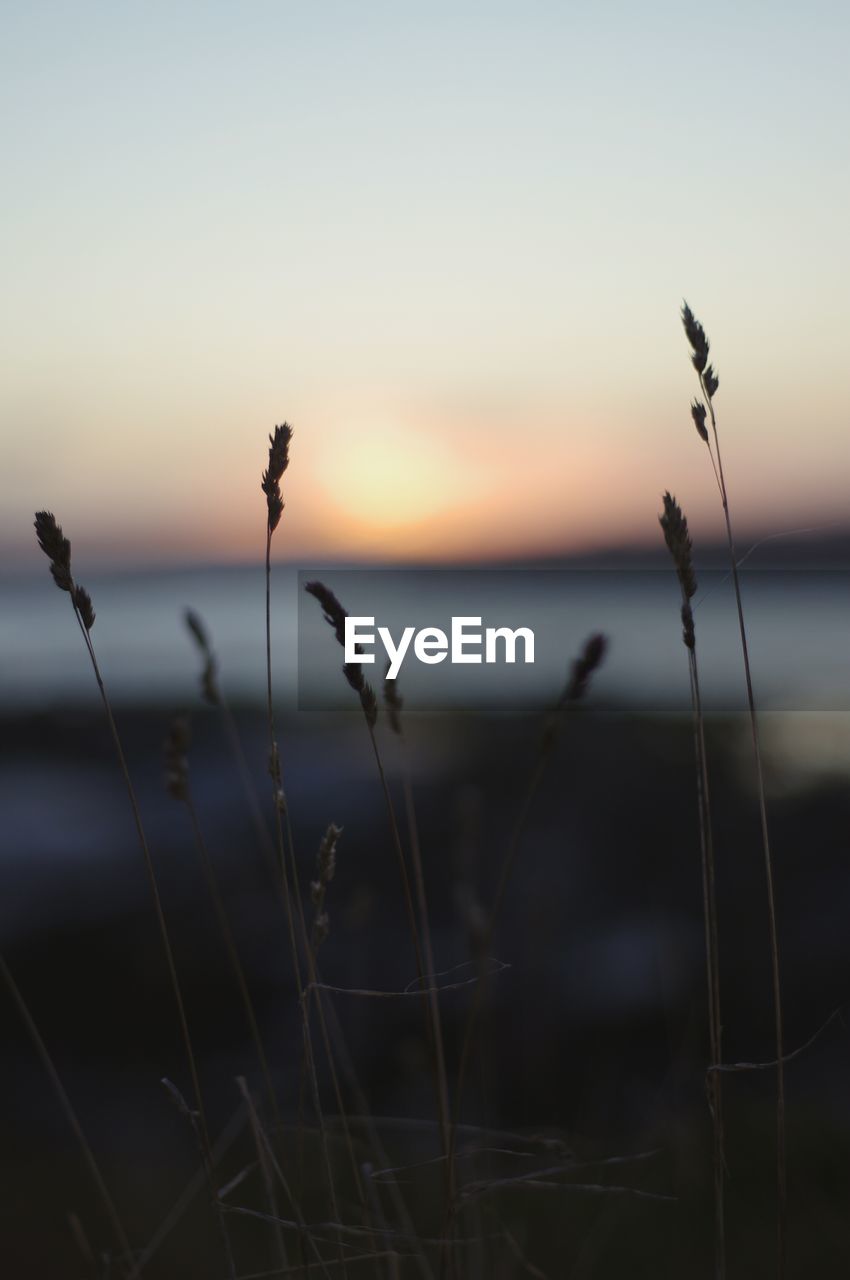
[
  {"x": 383, "y": 480},
  {"x": 376, "y": 479}
]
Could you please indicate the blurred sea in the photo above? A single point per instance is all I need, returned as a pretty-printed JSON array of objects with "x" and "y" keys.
[{"x": 798, "y": 622}]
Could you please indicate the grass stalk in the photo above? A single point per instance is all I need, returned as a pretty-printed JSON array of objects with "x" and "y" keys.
[
  {"x": 58, "y": 549},
  {"x": 70, "y": 1114},
  {"x": 394, "y": 703},
  {"x": 374, "y": 1138},
  {"x": 335, "y": 615},
  {"x": 213, "y": 694},
  {"x": 260, "y": 1145},
  {"x": 709, "y": 384},
  {"x": 278, "y": 462},
  {"x": 574, "y": 690},
  {"x": 178, "y": 786},
  {"x": 676, "y": 535}
]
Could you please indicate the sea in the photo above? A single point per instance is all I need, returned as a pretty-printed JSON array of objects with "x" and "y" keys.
[{"x": 797, "y": 619}]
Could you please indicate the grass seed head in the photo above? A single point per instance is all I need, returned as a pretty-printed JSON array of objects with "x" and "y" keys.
[
  {"x": 209, "y": 672},
  {"x": 588, "y": 661},
  {"x": 176, "y": 763},
  {"x": 674, "y": 526},
  {"x": 335, "y": 616},
  {"x": 198, "y": 630},
  {"x": 82, "y": 601},
  {"x": 688, "y": 631},
  {"x": 325, "y": 872},
  {"x": 696, "y": 337},
  {"x": 325, "y": 863},
  {"x": 56, "y": 547},
  {"x": 334, "y": 613},
  {"x": 698, "y": 412},
  {"x": 278, "y": 462},
  {"x": 274, "y": 764}
]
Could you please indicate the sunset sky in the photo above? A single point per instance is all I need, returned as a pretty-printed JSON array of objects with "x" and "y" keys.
[{"x": 447, "y": 242}]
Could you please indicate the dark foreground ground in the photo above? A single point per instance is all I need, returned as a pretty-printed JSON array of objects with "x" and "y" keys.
[{"x": 591, "y": 1046}]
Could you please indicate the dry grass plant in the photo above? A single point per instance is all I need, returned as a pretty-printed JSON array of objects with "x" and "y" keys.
[
  {"x": 337, "y": 1245},
  {"x": 58, "y": 550},
  {"x": 674, "y": 526},
  {"x": 700, "y": 409}
]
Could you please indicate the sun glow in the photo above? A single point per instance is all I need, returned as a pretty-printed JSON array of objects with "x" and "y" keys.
[{"x": 388, "y": 479}]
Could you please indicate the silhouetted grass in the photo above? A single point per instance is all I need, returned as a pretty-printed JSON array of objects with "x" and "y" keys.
[{"x": 337, "y": 1188}]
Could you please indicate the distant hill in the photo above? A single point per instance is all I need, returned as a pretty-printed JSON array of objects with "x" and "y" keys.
[
  {"x": 773, "y": 551},
  {"x": 792, "y": 551}
]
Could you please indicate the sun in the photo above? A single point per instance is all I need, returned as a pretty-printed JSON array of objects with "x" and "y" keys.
[{"x": 388, "y": 477}]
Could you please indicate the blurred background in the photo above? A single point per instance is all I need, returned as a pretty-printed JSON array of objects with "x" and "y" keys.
[
  {"x": 592, "y": 1043},
  {"x": 449, "y": 246}
]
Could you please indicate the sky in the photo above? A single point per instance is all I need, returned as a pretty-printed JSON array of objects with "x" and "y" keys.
[{"x": 447, "y": 242}]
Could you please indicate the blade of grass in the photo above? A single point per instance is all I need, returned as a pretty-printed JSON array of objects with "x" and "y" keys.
[
  {"x": 58, "y": 550},
  {"x": 675, "y": 528},
  {"x": 278, "y": 462},
  {"x": 70, "y": 1114},
  {"x": 709, "y": 383}
]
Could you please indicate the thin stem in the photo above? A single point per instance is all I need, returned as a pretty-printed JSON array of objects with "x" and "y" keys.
[
  {"x": 573, "y": 691},
  {"x": 422, "y": 972},
  {"x": 69, "y": 1112},
  {"x": 229, "y": 940},
  {"x": 781, "y": 1168},
  {"x": 206, "y": 1150},
  {"x": 225, "y": 1140},
  {"x": 709, "y": 896},
  {"x": 395, "y": 1274},
  {"x": 508, "y": 863},
  {"x": 280, "y": 804},
  {"x": 477, "y": 1004},
  {"x": 365, "y": 1116},
  {"x": 314, "y": 985},
  {"x": 310, "y": 944},
  {"x": 428, "y": 947},
  {"x": 268, "y": 848},
  {"x": 432, "y": 1018},
  {"x": 263, "y": 837},
  {"x": 260, "y": 1145}
]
